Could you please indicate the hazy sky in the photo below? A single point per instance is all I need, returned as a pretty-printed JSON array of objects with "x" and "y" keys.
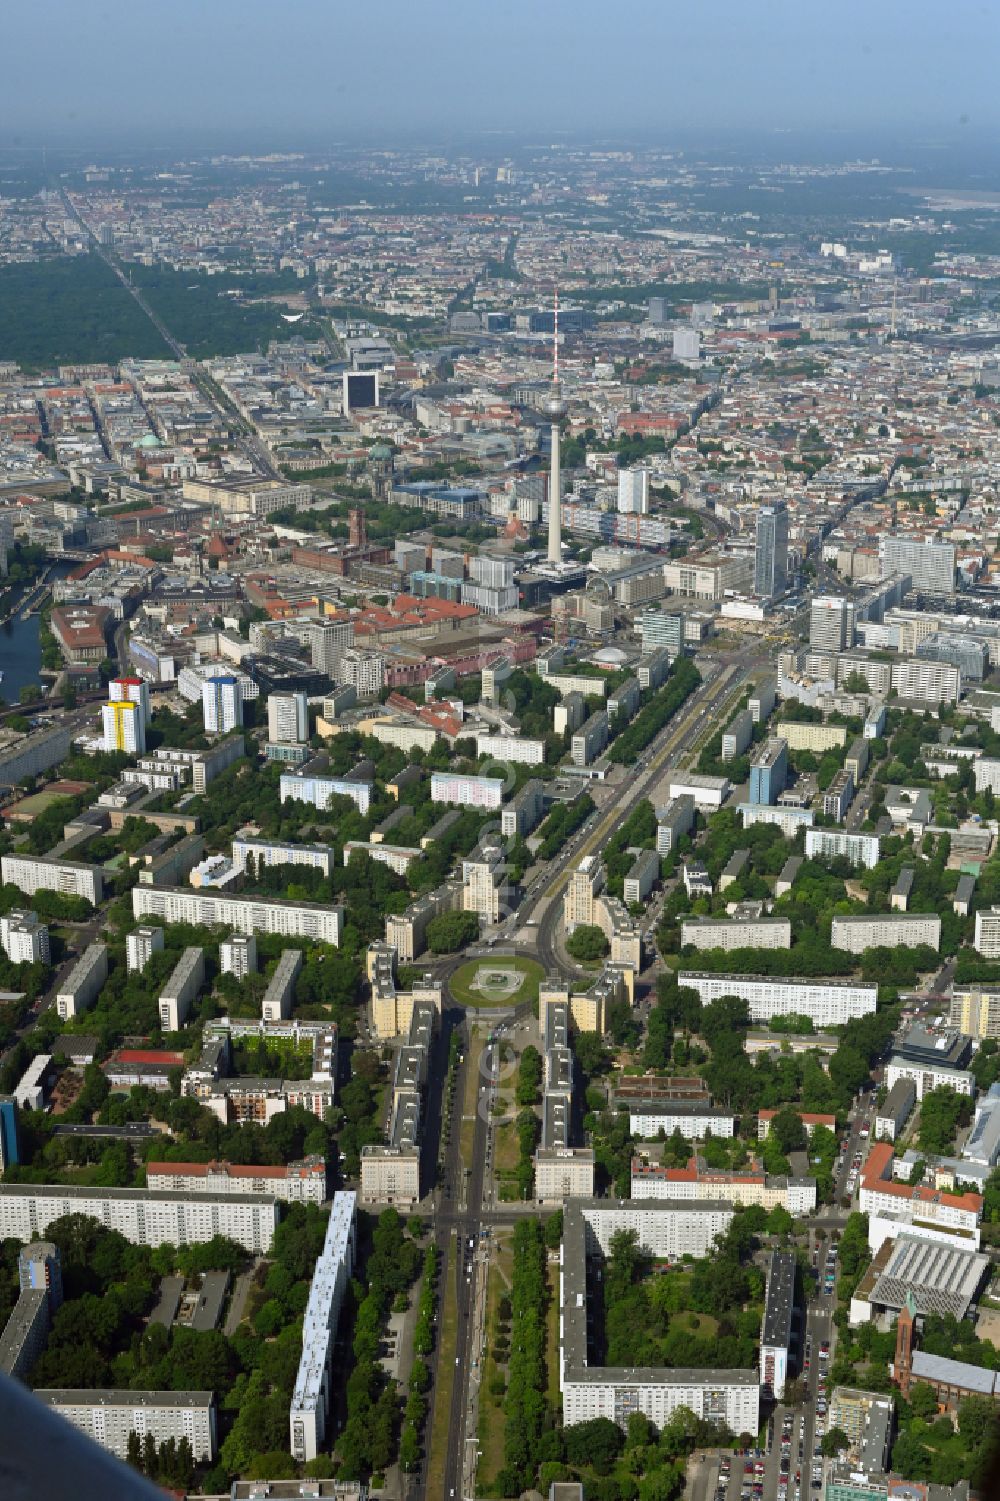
[{"x": 94, "y": 70}]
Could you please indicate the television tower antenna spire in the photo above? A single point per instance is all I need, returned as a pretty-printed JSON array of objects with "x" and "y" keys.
[{"x": 555, "y": 409}]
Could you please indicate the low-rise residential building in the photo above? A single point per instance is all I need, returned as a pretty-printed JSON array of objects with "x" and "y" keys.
[
  {"x": 302, "y": 1182},
  {"x": 925, "y": 1212},
  {"x": 810, "y": 1120},
  {"x": 650, "y": 1180}
]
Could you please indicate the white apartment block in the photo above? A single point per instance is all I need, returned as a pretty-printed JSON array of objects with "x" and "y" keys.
[
  {"x": 144, "y": 1218},
  {"x": 667, "y": 1230},
  {"x": 319, "y": 790},
  {"x": 673, "y": 820},
  {"x": 38, "y": 873},
  {"x": 987, "y": 936},
  {"x": 788, "y": 820},
  {"x": 277, "y": 1001},
  {"x": 287, "y": 718},
  {"x": 987, "y": 774},
  {"x": 518, "y": 748},
  {"x": 828, "y": 1003},
  {"x": 222, "y": 704},
  {"x": 563, "y": 1173},
  {"x": 590, "y": 739},
  {"x": 398, "y": 857},
  {"x": 243, "y": 913},
  {"x": 734, "y": 933},
  {"x": 642, "y": 877},
  {"x": 23, "y": 938},
  {"x": 484, "y": 882},
  {"x": 827, "y": 844},
  {"x": 738, "y": 736},
  {"x": 109, "y": 1416},
  {"x": 927, "y": 682},
  {"x": 904, "y": 929},
  {"x": 929, "y": 1076},
  {"x": 265, "y": 853},
  {"x": 140, "y": 946},
  {"x": 310, "y": 1406},
  {"x": 524, "y": 810},
  {"x": 238, "y": 955},
  {"x": 82, "y": 985},
  {"x": 466, "y": 791},
  {"x": 693, "y": 1125},
  {"x": 181, "y": 988},
  {"x": 364, "y": 671},
  {"x": 299, "y": 1183}
]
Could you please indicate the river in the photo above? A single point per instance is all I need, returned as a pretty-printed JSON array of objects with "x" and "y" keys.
[{"x": 21, "y": 647}]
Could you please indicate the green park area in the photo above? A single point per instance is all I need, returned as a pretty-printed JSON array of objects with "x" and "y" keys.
[{"x": 504, "y": 981}]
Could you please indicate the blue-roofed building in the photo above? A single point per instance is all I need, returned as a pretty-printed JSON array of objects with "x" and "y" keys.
[
  {"x": 769, "y": 771},
  {"x": 8, "y": 1132}
]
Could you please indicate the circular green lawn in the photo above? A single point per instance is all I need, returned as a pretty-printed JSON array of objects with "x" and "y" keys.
[{"x": 503, "y": 980}]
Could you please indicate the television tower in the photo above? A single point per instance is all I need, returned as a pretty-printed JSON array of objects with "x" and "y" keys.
[{"x": 555, "y": 409}]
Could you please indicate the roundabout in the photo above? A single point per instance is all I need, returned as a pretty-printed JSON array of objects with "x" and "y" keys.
[{"x": 503, "y": 980}]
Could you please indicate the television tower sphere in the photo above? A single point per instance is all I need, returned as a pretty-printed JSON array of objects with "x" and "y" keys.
[{"x": 555, "y": 407}]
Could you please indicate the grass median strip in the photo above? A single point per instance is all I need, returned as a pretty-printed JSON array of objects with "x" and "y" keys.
[{"x": 445, "y": 1383}]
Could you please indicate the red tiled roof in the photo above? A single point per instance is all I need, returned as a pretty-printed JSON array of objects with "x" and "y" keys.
[
  {"x": 146, "y": 1055},
  {"x": 876, "y": 1176}
]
